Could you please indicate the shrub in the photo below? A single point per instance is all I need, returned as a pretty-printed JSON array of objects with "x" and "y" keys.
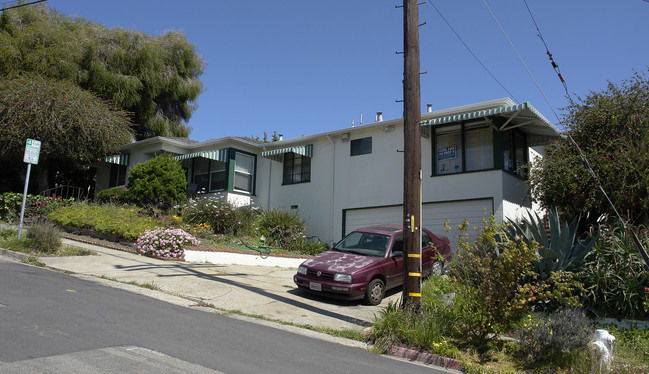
[
  {"x": 308, "y": 246},
  {"x": 561, "y": 249},
  {"x": 282, "y": 226},
  {"x": 555, "y": 339},
  {"x": 164, "y": 243},
  {"x": 44, "y": 237},
  {"x": 615, "y": 275},
  {"x": 158, "y": 182},
  {"x": 427, "y": 328},
  {"x": 215, "y": 212},
  {"x": 114, "y": 195},
  {"x": 122, "y": 221},
  {"x": 36, "y": 206},
  {"x": 495, "y": 283}
]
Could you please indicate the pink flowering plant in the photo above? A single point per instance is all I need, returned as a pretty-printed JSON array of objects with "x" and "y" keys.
[{"x": 164, "y": 243}]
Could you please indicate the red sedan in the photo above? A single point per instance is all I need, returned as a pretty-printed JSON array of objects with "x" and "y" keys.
[{"x": 366, "y": 263}]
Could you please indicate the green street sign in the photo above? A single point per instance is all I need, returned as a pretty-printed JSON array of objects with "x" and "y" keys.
[{"x": 32, "y": 151}]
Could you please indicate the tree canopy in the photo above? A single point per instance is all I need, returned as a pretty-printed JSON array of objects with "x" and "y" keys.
[
  {"x": 612, "y": 129},
  {"x": 74, "y": 125},
  {"x": 156, "y": 78}
]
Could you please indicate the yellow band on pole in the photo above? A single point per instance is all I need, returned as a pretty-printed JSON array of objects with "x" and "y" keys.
[
  {"x": 412, "y": 294},
  {"x": 412, "y": 223},
  {"x": 414, "y": 274},
  {"x": 415, "y": 255}
]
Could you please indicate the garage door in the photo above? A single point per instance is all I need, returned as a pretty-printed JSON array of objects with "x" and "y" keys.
[{"x": 433, "y": 215}]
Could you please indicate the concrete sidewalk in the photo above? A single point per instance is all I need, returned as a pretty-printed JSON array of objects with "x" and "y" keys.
[{"x": 266, "y": 291}]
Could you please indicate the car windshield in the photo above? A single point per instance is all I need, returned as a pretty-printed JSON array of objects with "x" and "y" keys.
[{"x": 364, "y": 243}]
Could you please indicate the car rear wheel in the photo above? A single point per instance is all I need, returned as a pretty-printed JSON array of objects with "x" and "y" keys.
[{"x": 375, "y": 292}]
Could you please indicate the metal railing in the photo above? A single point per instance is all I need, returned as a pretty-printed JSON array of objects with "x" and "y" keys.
[{"x": 66, "y": 192}]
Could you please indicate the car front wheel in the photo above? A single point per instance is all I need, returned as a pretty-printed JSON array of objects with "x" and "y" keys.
[{"x": 375, "y": 292}]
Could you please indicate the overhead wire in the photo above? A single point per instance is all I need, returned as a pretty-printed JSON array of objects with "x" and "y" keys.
[
  {"x": 555, "y": 66},
  {"x": 469, "y": 49},
  {"x": 584, "y": 159},
  {"x": 20, "y": 4}
]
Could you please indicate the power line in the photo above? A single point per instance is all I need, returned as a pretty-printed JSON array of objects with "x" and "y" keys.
[
  {"x": 584, "y": 159},
  {"x": 21, "y": 5},
  {"x": 470, "y": 51},
  {"x": 555, "y": 66}
]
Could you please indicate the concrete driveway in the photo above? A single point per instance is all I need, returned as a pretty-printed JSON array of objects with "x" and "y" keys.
[{"x": 266, "y": 291}]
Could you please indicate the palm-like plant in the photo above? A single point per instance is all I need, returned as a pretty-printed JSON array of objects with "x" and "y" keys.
[{"x": 560, "y": 249}]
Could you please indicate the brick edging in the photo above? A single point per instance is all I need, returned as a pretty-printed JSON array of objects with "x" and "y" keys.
[
  {"x": 425, "y": 357},
  {"x": 106, "y": 245}
]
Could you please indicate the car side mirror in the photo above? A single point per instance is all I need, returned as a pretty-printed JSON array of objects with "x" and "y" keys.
[{"x": 397, "y": 254}]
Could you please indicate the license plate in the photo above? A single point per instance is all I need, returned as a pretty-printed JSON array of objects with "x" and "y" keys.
[{"x": 315, "y": 286}]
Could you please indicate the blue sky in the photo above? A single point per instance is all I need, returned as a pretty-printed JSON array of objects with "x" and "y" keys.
[{"x": 301, "y": 67}]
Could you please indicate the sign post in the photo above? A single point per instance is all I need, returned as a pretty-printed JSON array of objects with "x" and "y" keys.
[{"x": 32, "y": 151}]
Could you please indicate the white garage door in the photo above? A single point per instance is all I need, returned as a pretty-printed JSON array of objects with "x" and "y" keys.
[{"x": 433, "y": 215}]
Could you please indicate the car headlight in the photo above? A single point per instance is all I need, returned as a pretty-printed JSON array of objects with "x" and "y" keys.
[
  {"x": 343, "y": 278},
  {"x": 301, "y": 270}
]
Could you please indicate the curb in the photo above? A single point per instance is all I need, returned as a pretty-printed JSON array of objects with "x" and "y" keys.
[
  {"x": 15, "y": 255},
  {"x": 424, "y": 357}
]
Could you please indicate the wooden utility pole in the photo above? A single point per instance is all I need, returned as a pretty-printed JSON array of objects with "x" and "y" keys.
[{"x": 411, "y": 158}]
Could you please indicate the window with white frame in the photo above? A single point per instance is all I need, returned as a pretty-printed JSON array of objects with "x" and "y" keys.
[{"x": 244, "y": 171}]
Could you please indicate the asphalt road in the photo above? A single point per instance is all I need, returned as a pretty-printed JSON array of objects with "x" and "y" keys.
[{"x": 52, "y": 322}]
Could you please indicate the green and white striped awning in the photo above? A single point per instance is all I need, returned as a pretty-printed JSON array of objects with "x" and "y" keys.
[
  {"x": 520, "y": 115},
  {"x": 277, "y": 154},
  {"x": 217, "y": 155},
  {"x": 117, "y": 159}
]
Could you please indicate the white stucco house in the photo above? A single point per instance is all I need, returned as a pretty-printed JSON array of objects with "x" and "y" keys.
[{"x": 472, "y": 166}]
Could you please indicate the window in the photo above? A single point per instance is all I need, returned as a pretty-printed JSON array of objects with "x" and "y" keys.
[
  {"x": 218, "y": 176},
  {"x": 202, "y": 174},
  {"x": 426, "y": 241},
  {"x": 244, "y": 170},
  {"x": 475, "y": 146},
  {"x": 361, "y": 146},
  {"x": 448, "y": 158},
  {"x": 117, "y": 175},
  {"x": 297, "y": 168},
  {"x": 515, "y": 152},
  {"x": 479, "y": 149}
]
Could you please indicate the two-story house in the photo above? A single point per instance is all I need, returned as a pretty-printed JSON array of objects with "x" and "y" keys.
[{"x": 473, "y": 165}]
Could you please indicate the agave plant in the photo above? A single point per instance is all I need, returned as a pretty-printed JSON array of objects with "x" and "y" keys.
[{"x": 560, "y": 249}]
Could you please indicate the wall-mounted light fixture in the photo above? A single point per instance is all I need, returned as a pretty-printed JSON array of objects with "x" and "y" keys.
[
  {"x": 388, "y": 128},
  {"x": 344, "y": 137}
]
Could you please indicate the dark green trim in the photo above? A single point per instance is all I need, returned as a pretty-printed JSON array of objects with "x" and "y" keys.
[
  {"x": 498, "y": 149},
  {"x": 229, "y": 168}
]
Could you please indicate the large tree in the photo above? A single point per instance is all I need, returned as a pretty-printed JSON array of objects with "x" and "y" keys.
[
  {"x": 612, "y": 129},
  {"x": 75, "y": 127},
  {"x": 154, "y": 77}
]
